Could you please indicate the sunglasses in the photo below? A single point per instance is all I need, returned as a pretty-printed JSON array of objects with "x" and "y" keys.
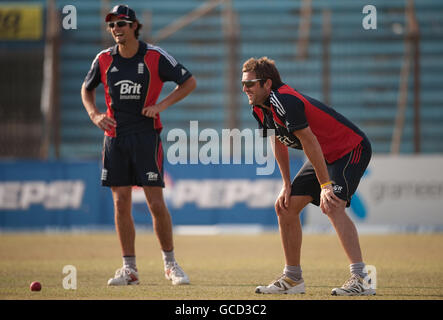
[
  {"x": 250, "y": 83},
  {"x": 120, "y": 23}
]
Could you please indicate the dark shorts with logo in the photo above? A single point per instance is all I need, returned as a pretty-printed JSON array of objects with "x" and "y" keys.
[
  {"x": 345, "y": 174},
  {"x": 133, "y": 160}
]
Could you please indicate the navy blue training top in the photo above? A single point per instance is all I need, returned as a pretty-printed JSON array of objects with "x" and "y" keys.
[{"x": 133, "y": 83}]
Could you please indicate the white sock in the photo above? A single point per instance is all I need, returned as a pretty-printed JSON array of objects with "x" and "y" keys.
[
  {"x": 168, "y": 257},
  {"x": 357, "y": 268},
  {"x": 293, "y": 272},
  {"x": 129, "y": 261}
]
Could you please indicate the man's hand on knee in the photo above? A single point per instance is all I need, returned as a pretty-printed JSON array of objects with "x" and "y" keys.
[{"x": 329, "y": 202}]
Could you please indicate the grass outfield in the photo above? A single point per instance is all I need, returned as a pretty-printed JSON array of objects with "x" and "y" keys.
[{"x": 223, "y": 267}]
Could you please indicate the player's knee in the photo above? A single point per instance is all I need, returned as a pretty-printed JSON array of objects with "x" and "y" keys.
[
  {"x": 289, "y": 213},
  {"x": 334, "y": 213},
  {"x": 156, "y": 206},
  {"x": 278, "y": 210},
  {"x": 122, "y": 203}
]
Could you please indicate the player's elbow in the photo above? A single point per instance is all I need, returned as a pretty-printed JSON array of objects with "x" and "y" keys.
[
  {"x": 191, "y": 83},
  {"x": 87, "y": 95},
  {"x": 83, "y": 90}
]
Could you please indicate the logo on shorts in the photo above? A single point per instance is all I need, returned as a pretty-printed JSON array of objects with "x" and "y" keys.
[
  {"x": 104, "y": 174},
  {"x": 152, "y": 176},
  {"x": 338, "y": 189}
]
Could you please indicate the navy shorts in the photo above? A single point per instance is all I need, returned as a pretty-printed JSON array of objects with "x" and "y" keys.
[
  {"x": 133, "y": 160},
  {"x": 345, "y": 174}
]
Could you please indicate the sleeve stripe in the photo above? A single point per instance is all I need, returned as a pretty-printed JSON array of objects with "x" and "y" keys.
[
  {"x": 277, "y": 104},
  {"x": 168, "y": 57}
]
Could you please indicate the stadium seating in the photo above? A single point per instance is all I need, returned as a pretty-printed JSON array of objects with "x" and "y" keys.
[{"x": 364, "y": 65}]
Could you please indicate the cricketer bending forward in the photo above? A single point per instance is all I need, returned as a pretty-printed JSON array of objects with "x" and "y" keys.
[{"x": 338, "y": 153}]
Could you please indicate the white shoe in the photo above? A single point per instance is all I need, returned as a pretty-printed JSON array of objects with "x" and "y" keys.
[
  {"x": 176, "y": 274},
  {"x": 283, "y": 285},
  {"x": 123, "y": 277},
  {"x": 354, "y": 286}
]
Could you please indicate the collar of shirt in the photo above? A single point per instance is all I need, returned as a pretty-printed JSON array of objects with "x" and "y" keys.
[
  {"x": 141, "y": 49},
  {"x": 267, "y": 103}
]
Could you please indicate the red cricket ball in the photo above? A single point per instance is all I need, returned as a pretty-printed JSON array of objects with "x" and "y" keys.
[{"x": 35, "y": 286}]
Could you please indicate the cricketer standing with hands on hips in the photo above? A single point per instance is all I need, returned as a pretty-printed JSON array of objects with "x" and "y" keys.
[
  {"x": 337, "y": 155},
  {"x": 132, "y": 73}
]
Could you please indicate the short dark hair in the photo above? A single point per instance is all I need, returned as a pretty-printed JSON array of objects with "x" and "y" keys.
[
  {"x": 139, "y": 26},
  {"x": 264, "y": 68}
]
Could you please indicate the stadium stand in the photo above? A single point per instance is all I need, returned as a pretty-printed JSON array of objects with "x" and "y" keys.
[{"x": 364, "y": 65}]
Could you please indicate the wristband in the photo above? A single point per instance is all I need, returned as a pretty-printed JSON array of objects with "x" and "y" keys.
[{"x": 326, "y": 184}]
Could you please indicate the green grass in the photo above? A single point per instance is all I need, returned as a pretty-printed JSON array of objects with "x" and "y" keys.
[{"x": 224, "y": 267}]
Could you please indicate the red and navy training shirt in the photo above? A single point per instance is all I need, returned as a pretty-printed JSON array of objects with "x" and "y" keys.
[
  {"x": 292, "y": 111},
  {"x": 133, "y": 83}
]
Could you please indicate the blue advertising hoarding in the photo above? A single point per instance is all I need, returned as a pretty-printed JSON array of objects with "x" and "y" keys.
[
  {"x": 38, "y": 195},
  {"x": 64, "y": 195}
]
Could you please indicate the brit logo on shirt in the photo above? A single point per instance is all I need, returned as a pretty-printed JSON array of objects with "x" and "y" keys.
[
  {"x": 129, "y": 89},
  {"x": 288, "y": 141}
]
